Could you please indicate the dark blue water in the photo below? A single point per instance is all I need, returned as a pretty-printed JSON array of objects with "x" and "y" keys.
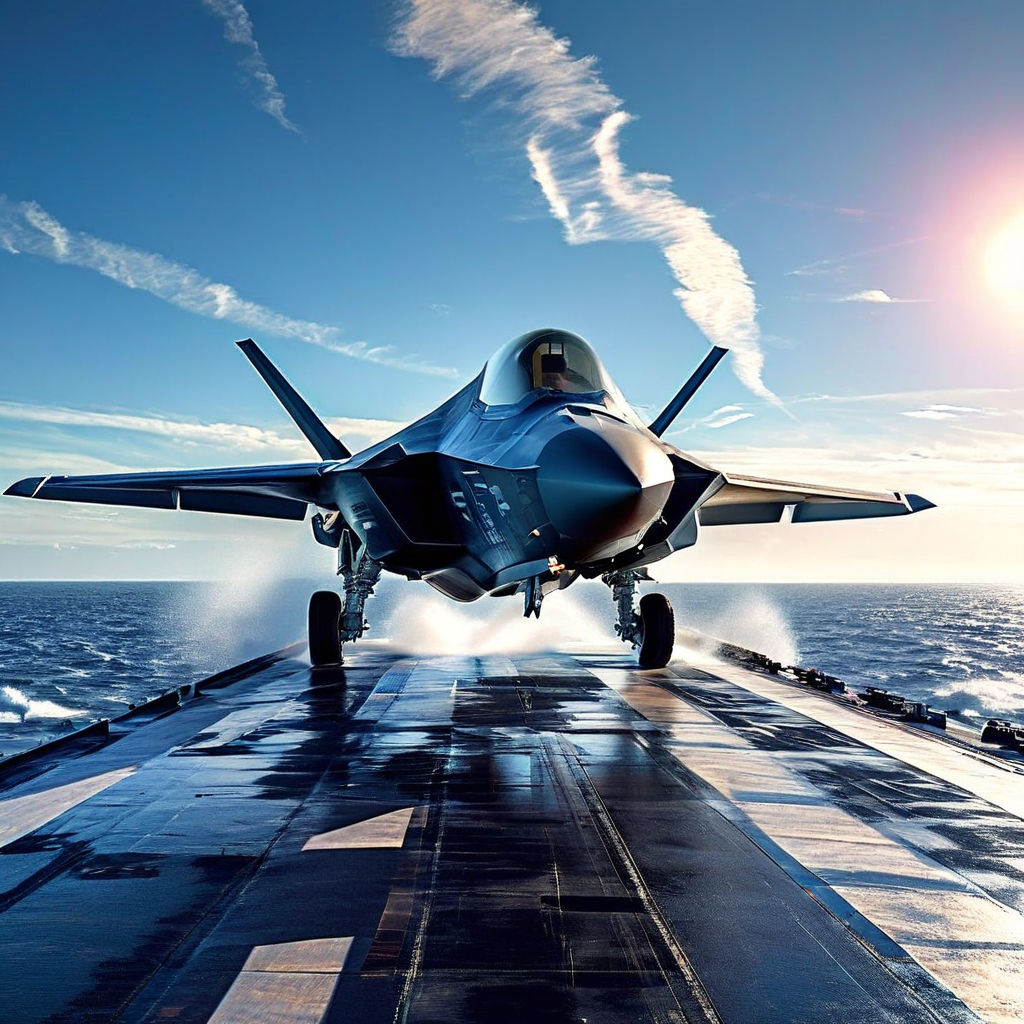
[
  {"x": 956, "y": 647},
  {"x": 74, "y": 652}
]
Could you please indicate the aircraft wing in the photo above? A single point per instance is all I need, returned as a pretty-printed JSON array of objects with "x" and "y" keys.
[
  {"x": 276, "y": 492},
  {"x": 753, "y": 499}
]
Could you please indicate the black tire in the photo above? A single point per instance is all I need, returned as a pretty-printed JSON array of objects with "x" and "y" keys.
[
  {"x": 659, "y": 631},
  {"x": 324, "y": 632}
]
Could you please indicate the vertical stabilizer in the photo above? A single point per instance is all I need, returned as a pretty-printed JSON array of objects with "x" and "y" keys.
[
  {"x": 325, "y": 443},
  {"x": 687, "y": 391}
]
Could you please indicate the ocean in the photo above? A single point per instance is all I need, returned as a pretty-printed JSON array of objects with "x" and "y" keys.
[{"x": 71, "y": 653}]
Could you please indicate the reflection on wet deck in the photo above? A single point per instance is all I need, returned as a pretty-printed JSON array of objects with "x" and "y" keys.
[{"x": 539, "y": 837}]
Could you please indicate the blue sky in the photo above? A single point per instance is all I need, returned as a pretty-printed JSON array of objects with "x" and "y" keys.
[{"x": 338, "y": 180}]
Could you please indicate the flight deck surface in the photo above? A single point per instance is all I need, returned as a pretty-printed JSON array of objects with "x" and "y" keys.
[{"x": 537, "y": 837}]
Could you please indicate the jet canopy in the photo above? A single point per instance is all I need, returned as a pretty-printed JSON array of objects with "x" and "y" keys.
[{"x": 547, "y": 360}]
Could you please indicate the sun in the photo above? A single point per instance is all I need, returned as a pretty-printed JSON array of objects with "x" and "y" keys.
[{"x": 1004, "y": 259}]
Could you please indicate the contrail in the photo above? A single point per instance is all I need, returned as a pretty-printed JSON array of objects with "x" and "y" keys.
[
  {"x": 27, "y": 228},
  {"x": 238, "y": 30},
  {"x": 570, "y": 123}
]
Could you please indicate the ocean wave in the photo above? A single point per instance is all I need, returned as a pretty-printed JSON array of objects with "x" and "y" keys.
[
  {"x": 78, "y": 673},
  {"x": 105, "y": 655},
  {"x": 16, "y": 706},
  {"x": 951, "y": 646},
  {"x": 1001, "y": 693}
]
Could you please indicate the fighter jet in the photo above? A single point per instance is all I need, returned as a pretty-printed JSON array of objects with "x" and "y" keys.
[{"x": 536, "y": 473}]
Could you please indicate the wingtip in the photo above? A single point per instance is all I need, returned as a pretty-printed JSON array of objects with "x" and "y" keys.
[
  {"x": 245, "y": 342},
  {"x": 25, "y": 488},
  {"x": 919, "y": 504}
]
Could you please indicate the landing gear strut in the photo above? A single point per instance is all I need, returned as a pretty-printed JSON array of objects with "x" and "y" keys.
[
  {"x": 331, "y": 622},
  {"x": 359, "y": 573},
  {"x": 650, "y": 627}
]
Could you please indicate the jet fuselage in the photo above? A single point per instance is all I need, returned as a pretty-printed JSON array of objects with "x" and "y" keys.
[{"x": 475, "y": 499}]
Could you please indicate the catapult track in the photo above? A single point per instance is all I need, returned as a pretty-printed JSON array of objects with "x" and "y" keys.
[{"x": 530, "y": 838}]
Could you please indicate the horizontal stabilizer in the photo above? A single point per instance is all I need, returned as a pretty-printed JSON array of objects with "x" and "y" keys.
[
  {"x": 751, "y": 499},
  {"x": 326, "y": 444},
  {"x": 687, "y": 391},
  {"x": 276, "y": 492}
]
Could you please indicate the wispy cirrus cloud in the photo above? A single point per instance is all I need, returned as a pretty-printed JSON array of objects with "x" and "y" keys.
[
  {"x": 837, "y": 265},
  {"x": 999, "y": 399},
  {"x": 726, "y": 421},
  {"x": 948, "y": 412},
  {"x": 725, "y": 416},
  {"x": 570, "y": 123},
  {"x": 227, "y": 436},
  {"x": 875, "y": 296},
  {"x": 25, "y": 227},
  {"x": 857, "y": 212},
  {"x": 238, "y": 30}
]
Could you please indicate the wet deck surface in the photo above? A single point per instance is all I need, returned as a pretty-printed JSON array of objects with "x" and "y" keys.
[{"x": 536, "y": 838}]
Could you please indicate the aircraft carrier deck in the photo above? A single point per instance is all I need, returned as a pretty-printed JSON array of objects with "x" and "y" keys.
[{"x": 526, "y": 839}]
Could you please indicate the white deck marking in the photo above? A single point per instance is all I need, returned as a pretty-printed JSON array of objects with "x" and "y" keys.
[
  {"x": 21, "y": 815},
  {"x": 237, "y": 724},
  {"x": 970, "y": 942},
  {"x": 999, "y": 784},
  {"x": 287, "y": 983},
  {"x": 384, "y": 832}
]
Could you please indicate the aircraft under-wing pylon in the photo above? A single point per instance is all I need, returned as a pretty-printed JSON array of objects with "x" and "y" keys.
[{"x": 534, "y": 474}]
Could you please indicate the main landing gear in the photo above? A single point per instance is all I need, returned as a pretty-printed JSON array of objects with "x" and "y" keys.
[
  {"x": 650, "y": 627},
  {"x": 324, "y": 628},
  {"x": 332, "y": 622}
]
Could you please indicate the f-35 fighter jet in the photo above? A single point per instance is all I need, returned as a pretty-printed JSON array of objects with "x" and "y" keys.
[{"x": 536, "y": 473}]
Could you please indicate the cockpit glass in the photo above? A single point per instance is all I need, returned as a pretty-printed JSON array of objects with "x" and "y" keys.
[{"x": 547, "y": 360}]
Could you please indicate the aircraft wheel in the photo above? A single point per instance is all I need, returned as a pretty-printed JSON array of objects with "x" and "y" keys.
[
  {"x": 659, "y": 631},
  {"x": 324, "y": 632}
]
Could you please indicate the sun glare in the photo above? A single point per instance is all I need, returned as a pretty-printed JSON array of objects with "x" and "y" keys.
[{"x": 1004, "y": 258}]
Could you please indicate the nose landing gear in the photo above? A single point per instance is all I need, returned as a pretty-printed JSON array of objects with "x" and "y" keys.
[{"x": 650, "y": 628}]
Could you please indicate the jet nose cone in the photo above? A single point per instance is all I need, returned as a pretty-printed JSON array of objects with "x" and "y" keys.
[{"x": 601, "y": 484}]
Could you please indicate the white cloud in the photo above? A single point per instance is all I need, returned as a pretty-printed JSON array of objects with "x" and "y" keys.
[
  {"x": 26, "y": 227},
  {"x": 948, "y": 412},
  {"x": 723, "y": 416},
  {"x": 571, "y": 122},
  {"x": 725, "y": 421},
  {"x": 231, "y": 435},
  {"x": 228, "y": 436},
  {"x": 929, "y": 414},
  {"x": 875, "y": 295},
  {"x": 940, "y": 411},
  {"x": 238, "y": 30},
  {"x": 1009, "y": 398}
]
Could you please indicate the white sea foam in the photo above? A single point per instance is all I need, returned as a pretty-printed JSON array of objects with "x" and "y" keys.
[
  {"x": 16, "y": 706},
  {"x": 1002, "y": 692},
  {"x": 105, "y": 655}
]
